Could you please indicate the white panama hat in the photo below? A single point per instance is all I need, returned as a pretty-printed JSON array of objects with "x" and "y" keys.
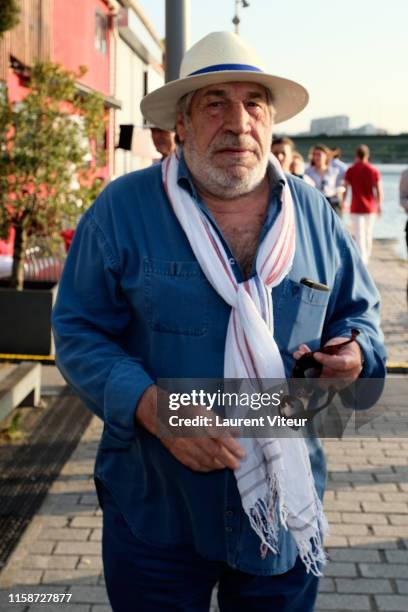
[{"x": 221, "y": 57}]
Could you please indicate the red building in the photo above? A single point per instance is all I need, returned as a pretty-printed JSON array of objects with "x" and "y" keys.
[{"x": 74, "y": 33}]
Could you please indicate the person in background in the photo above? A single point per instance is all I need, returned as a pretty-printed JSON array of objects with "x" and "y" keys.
[
  {"x": 337, "y": 163},
  {"x": 164, "y": 141},
  {"x": 297, "y": 168},
  {"x": 403, "y": 194},
  {"x": 324, "y": 176},
  {"x": 283, "y": 149},
  {"x": 366, "y": 202}
]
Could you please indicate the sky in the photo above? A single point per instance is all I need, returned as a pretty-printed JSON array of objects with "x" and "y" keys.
[{"x": 351, "y": 55}]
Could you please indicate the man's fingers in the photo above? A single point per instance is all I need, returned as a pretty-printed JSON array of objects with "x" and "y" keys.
[
  {"x": 302, "y": 350},
  {"x": 342, "y": 362},
  {"x": 226, "y": 450}
]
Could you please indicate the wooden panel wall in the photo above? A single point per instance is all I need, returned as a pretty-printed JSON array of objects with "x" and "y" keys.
[{"x": 31, "y": 39}]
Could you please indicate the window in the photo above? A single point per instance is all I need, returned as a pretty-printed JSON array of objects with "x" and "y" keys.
[{"x": 101, "y": 32}]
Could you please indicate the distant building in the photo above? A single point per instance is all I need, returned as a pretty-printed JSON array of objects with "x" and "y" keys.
[
  {"x": 331, "y": 126},
  {"x": 368, "y": 129},
  {"x": 138, "y": 71}
]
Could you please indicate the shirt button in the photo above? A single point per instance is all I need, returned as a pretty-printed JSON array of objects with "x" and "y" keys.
[
  {"x": 228, "y": 529},
  {"x": 232, "y": 261},
  {"x": 229, "y": 513}
]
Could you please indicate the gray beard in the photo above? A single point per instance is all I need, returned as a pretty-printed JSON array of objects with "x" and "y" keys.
[{"x": 223, "y": 183}]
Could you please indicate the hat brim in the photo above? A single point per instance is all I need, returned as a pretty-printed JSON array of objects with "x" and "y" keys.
[{"x": 159, "y": 107}]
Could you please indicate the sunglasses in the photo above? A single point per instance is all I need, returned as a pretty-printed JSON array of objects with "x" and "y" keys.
[{"x": 291, "y": 406}]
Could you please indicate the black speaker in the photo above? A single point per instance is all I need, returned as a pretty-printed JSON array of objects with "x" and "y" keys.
[{"x": 125, "y": 136}]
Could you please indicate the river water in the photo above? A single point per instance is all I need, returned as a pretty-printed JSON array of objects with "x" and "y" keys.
[{"x": 391, "y": 224}]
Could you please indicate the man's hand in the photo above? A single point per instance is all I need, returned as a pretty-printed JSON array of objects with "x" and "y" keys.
[
  {"x": 347, "y": 364},
  {"x": 205, "y": 454},
  {"x": 199, "y": 453}
]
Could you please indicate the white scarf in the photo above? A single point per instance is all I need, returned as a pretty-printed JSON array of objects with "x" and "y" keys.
[{"x": 275, "y": 480}]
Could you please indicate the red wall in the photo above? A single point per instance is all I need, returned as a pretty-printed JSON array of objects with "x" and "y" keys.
[{"x": 74, "y": 35}]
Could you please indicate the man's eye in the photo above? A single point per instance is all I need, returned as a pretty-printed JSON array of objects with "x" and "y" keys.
[{"x": 253, "y": 104}]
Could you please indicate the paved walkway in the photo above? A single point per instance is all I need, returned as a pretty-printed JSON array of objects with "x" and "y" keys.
[{"x": 366, "y": 503}]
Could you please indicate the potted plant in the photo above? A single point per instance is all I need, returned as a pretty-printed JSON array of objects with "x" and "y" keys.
[{"x": 50, "y": 153}]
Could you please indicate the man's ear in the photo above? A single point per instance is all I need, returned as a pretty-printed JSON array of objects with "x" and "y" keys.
[{"x": 180, "y": 129}]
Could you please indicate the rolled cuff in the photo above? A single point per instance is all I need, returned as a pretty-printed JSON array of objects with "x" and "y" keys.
[{"x": 126, "y": 384}]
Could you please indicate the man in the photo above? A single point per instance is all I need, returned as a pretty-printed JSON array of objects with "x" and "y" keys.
[
  {"x": 283, "y": 149},
  {"x": 366, "y": 201},
  {"x": 164, "y": 263},
  {"x": 163, "y": 140},
  {"x": 403, "y": 195},
  {"x": 337, "y": 163}
]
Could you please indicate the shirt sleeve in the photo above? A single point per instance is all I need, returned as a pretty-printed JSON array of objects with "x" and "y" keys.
[
  {"x": 355, "y": 304},
  {"x": 90, "y": 316}
]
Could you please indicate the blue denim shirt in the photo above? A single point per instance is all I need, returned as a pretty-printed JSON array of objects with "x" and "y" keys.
[{"x": 134, "y": 306}]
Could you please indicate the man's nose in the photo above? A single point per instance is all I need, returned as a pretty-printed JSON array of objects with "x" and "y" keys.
[{"x": 238, "y": 119}]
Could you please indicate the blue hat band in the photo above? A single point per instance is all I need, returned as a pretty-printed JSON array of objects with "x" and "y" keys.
[{"x": 220, "y": 67}]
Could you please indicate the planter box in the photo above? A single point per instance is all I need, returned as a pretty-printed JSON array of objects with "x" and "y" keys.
[{"x": 25, "y": 319}]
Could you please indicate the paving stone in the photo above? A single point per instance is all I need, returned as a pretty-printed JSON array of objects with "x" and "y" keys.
[
  {"x": 89, "y": 500},
  {"x": 367, "y": 518},
  {"x": 96, "y": 535},
  {"x": 392, "y": 603},
  {"x": 78, "y": 548},
  {"x": 326, "y": 585},
  {"x": 332, "y": 540},
  {"x": 28, "y": 576},
  {"x": 338, "y": 602},
  {"x": 67, "y": 533},
  {"x": 354, "y": 555},
  {"x": 348, "y": 529},
  {"x": 92, "y": 595},
  {"x": 90, "y": 563},
  {"x": 384, "y": 487},
  {"x": 399, "y": 519},
  {"x": 49, "y": 562},
  {"x": 383, "y": 507},
  {"x": 402, "y": 586},
  {"x": 86, "y": 521},
  {"x": 72, "y": 486},
  {"x": 333, "y": 517},
  {"x": 359, "y": 496},
  {"x": 372, "y": 542},
  {"x": 397, "y": 556},
  {"x": 391, "y": 531},
  {"x": 342, "y": 505},
  {"x": 53, "y": 521},
  {"x": 363, "y": 585},
  {"x": 352, "y": 478},
  {"x": 340, "y": 569},
  {"x": 383, "y": 570},
  {"x": 70, "y": 577},
  {"x": 41, "y": 547}
]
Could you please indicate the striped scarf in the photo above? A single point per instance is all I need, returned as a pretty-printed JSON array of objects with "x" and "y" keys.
[{"x": 275, "y": 480}]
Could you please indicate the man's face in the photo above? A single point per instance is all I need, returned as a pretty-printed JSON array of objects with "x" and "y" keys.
[
  {"x": 226, "y": 138},
  {"x": 284, "y": 153},
  {"x": 163, "y": 141}
]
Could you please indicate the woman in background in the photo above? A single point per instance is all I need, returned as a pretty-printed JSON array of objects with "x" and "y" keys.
[{"x": 325, "y": 177}]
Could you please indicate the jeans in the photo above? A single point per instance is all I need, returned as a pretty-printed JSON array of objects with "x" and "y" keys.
[{"x": 146, "y": 578}]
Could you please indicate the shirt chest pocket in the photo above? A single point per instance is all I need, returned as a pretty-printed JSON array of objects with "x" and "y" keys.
[
  {"x": 299, "y": 315},
  {"x": 176, "y": 297}
]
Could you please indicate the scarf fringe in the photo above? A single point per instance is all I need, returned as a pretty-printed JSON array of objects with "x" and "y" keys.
[{"x": 269, "y": 514}]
